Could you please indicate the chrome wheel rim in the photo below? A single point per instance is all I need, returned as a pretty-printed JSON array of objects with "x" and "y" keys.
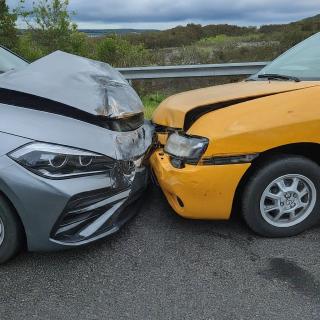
[
  {"x": 1, "y": 232},
  {"x": 288, "y": 200}
]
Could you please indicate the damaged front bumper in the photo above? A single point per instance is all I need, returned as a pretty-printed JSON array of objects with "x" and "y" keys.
[
  {"x": 198, "y": 191},
  {"x": 77, "y": 103},
  {"x": 92, "y": 215}
]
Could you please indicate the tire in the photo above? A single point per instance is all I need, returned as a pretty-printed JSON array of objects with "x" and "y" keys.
[
  {"x": 11, "y": 233},
  {"x": 282, "y": 196}
]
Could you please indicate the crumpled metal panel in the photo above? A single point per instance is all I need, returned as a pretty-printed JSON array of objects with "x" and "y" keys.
[
  {"x": 53, "y": 128},
  {"x": 87, "y": 85}
]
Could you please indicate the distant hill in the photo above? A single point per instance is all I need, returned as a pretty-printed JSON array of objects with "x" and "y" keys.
[
  {"x": 312, "y": 19},
  {"x": 311, "y": 24},
  {"x": 290, "y": 33},
  {"x": 102, "y": 32}
]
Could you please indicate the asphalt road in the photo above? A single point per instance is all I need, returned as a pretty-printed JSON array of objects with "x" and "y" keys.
[{"x": 163, "y": 267}]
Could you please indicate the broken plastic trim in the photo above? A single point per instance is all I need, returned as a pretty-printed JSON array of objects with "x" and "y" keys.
[{"x": 29, "y": 101}]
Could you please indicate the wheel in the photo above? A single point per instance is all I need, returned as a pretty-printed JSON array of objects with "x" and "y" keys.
[
  {"x": 10, "y": 231},
  {"x": 282, "y": 196}
]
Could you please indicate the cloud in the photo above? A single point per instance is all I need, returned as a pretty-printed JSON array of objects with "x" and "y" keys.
[{"x": 157, "y": 12}]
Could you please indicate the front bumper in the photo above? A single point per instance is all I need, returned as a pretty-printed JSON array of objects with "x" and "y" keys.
[
  {"x": 92, "y": 215},
  {"x": 58, "y": 214},
  {"x": 198, "y": 191}
]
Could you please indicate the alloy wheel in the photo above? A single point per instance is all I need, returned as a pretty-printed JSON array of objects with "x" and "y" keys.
[{"x": 288, "y": 200}]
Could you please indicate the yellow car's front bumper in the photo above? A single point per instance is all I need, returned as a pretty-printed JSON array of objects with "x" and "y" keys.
[{"x": 198, "y": 192}]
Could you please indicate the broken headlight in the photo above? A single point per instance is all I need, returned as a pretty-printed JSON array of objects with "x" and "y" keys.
[
  {"x": 59, "y": 162},
  {"x": 185, "y": 149}
]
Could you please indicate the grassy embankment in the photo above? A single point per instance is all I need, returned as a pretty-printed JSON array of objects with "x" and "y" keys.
[{"x": 151, "y": 102}]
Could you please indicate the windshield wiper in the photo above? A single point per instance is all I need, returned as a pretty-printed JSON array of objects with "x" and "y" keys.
[{"x": 275, "y": 76}]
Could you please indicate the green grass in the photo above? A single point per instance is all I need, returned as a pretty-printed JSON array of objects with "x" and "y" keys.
[
  {"x": 214, "y": 40},
  {"x": 223, "y": 39},
  {"x": 151, "y": 102}
]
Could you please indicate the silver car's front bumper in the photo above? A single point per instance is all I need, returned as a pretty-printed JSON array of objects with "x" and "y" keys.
[
  {"x": 57, "y": 214},
  {"x": 99, "y": 213}
]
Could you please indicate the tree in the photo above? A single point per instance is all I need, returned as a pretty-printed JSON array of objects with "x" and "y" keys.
[
  {"x": 8, "y": 32},
  {"x": 50, "y": 24}
]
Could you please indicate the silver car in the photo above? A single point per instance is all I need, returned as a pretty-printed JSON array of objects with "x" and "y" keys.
[{"x": 73, "y": 141}]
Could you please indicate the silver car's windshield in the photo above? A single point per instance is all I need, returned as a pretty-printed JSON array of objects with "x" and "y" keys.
[
  {"x": 9, "y": 61},
  {"x": 302, "y": 62}
]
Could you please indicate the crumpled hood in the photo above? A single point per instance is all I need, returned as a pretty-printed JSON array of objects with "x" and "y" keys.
[
  {"x": 86, "y": 85},
  {"x": 173, "y": 111}
]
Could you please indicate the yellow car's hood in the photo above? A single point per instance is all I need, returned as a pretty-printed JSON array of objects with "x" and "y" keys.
[{"x": 172, "y": 111}]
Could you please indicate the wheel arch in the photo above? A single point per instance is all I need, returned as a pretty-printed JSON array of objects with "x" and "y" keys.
[
  {"x": 15, "y": 210},
  {"x": 306, "y": 149}
]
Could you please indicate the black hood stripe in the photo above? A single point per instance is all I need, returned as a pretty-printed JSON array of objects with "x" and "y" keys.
[
  {"x": 29, "y": 101},
  {"x": 193, "y": 115}
]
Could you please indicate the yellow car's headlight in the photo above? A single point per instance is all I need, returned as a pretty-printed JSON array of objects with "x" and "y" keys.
[{"x": 185, "y": 149}]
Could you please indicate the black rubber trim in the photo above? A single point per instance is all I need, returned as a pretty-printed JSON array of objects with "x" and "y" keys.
[
  {"x": 164, "y": 129},
  {"x": 230, "y": 160},
  {"x": 29, "y": 101}
]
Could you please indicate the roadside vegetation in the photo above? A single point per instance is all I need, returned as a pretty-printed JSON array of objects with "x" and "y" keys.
[
  {"x": 49, "y": 26},
  {"x": 151, "y": 101}
]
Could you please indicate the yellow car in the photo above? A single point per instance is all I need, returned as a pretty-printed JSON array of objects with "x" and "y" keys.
[{"x": 255, "y": 143}]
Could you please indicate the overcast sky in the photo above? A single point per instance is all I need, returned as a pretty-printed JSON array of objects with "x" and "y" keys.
[{"x": 162, "y": 14}]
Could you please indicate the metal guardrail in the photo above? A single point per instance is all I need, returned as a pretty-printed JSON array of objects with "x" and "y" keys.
[{"x": 192, "y": 71}]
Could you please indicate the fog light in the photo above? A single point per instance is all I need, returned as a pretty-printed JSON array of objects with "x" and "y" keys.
[{"x": 177, "y": 163}]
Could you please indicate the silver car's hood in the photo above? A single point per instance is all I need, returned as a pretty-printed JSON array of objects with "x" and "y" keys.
[
  {"x": 82, "y": 88},
  {"x": 69, "y": 100}
]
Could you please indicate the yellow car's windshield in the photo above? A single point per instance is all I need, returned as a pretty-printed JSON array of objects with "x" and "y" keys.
[{"x": 302, "y": 62}]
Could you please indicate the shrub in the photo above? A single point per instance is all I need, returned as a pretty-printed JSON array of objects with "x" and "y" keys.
[
  {"x": 120, "y": 53},
  {"x": 28, "y": 48}
]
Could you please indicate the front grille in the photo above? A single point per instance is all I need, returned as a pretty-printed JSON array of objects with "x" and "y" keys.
[{"x": 88, "y": 214}]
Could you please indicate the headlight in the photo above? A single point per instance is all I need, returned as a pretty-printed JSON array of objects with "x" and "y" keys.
[
  {"x": 189, "y": 149},
  {"x": 59, "y": 162}
]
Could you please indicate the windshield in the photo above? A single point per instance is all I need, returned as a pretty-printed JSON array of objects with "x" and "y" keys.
[
  {"x": 9, "y": 61},
  {"x": 302, "y": 61}
]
